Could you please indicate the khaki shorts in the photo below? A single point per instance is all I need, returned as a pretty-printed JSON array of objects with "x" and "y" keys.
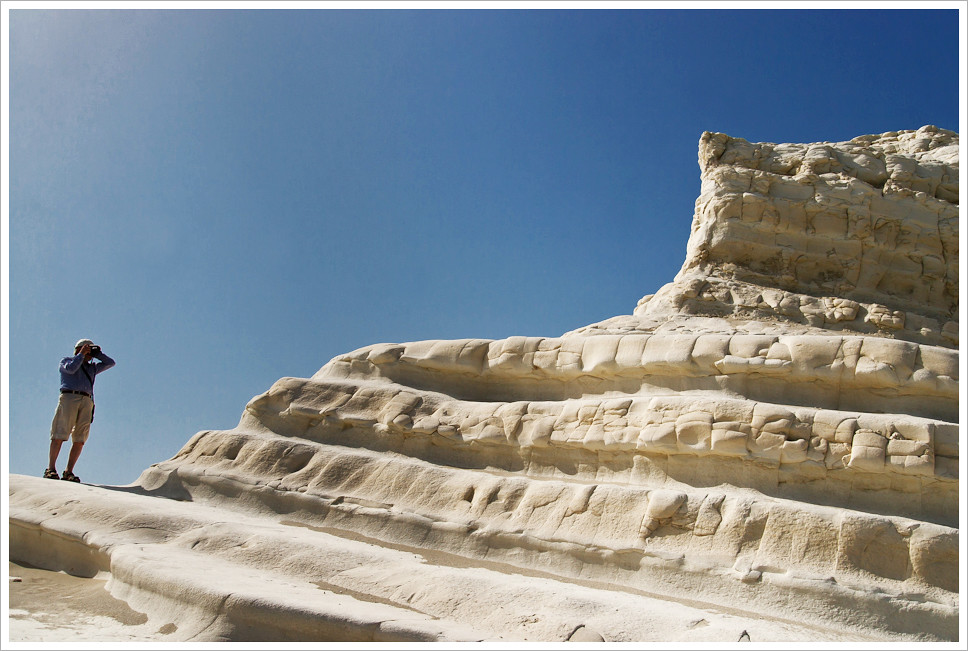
[{"x": 72, "y": 418}]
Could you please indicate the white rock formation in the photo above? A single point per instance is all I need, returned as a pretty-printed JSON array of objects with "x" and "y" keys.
[{"x": 769, "y": 444}]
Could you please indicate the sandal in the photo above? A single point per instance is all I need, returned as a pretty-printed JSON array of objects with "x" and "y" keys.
[
  {"x": 51, "y": 474},
  {"x": 69, "y": 476}
]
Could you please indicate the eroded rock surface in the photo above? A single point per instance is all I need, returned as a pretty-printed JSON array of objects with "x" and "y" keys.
[
  {"x": 778, "y": 425},
  {"x": 858, "y": 236}
]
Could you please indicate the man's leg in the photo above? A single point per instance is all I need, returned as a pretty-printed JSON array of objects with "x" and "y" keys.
[
  {"x": 82, "y": 427},
  {"x": 61, "y": 426},
  {"x": 73, "y": 456},
  {"x": 55, "y": 446}
]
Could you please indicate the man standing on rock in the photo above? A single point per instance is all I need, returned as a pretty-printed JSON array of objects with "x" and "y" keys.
[{"x": 75, "y": 409}]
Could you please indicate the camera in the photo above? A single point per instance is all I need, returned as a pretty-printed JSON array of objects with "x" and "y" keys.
[{"x": 95, "y": 350}]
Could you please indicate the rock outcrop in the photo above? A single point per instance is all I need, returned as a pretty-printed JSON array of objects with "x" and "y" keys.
[
  {"x": 859, "y": 237},
  {"x": 772, "y": 436}
]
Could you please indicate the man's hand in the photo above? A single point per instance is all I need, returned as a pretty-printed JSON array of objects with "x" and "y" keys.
[{"x": 86, "y": 351}]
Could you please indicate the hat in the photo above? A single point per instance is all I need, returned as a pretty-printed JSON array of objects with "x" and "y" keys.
[{"x": 81, "y": 342}]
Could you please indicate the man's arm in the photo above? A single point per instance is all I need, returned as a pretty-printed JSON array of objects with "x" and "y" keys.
[
  {"x": 70, "y": 365},
  {"x": 106, "y": 362}
]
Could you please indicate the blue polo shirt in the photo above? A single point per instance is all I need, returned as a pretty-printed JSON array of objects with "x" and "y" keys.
[{"x": 73, "y": 376}]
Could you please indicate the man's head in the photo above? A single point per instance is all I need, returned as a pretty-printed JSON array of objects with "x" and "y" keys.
[{"x": 81, "y": 343}]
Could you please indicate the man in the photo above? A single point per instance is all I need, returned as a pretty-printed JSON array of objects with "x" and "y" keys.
[{"x": 75, "y": 409}]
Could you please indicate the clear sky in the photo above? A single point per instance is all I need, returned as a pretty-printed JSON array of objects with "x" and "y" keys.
[{"x": 221, "y": 198}]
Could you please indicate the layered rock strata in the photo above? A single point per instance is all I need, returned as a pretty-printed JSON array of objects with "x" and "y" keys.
[
  {"x": 858, "y": 236},
  {"x": 772, "y": 434}
]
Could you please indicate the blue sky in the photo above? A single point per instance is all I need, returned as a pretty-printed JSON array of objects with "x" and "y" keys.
[{"x": 222, "y": 198}]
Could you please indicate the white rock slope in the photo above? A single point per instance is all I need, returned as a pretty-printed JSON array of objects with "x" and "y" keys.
[{"x": 768, "y": 443}]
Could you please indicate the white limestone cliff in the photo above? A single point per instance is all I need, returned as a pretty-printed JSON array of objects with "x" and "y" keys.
[{"x": 768, "y": 443}]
